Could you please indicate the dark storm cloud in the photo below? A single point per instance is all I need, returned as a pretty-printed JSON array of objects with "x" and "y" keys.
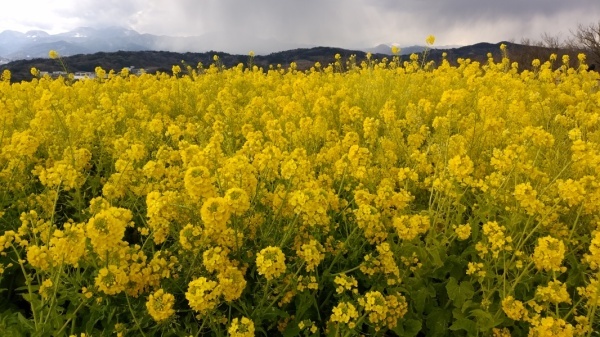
[
  {"x": 460, "y": 9},
  {"x": 469, "y": 21},
  {"x": 307, "y": 21},
  {"x": 343, "y": 23},
  {"x": 364, "y": 22}
]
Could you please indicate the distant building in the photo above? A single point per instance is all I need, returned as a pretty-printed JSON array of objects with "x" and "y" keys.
[{"x": 80, "y": 75}]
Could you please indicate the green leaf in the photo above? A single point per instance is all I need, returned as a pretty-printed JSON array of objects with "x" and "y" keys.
[
  {"x": 465, "y": 324},
  {"x": 412, "y": 327},
  {"x": 420, "y": 297},
  {"x": 24, "y": 322},
  {"x": 408, "y": 328},
  {"x": 15, "y": 324},
  {"x": 484, "y": 319},
  {"x": 467, "y": 305},
  {"x": 436, "y": 259},
  {"x": 291, "y": 330},
  {"x": 437, "y": 322},
  {"x": 459, "y": 293}
]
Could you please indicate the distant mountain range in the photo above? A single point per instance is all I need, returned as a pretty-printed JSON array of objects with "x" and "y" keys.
[
  {"x": 36, "y": 44},
  {"x": 153, "y": 61},
  {"x": 387, "y": 49}
]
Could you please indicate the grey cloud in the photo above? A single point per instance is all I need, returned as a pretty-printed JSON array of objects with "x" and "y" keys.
[
  {"x": 349, "y": 23},
  {"x": 510, "y": 16},
  {"x": 102, "y": 13},
  {"x": 487, "y": 9}
]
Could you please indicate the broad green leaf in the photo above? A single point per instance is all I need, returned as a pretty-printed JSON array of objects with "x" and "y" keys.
[
  {"x": 408, "y": 328},
  {"x": 459, "y": 293},
  {"x": 484, "y": 319},
  {"x": 437, "y": 322},
  {"x": 465, "y": 324},
  {"x": 420, "y": 298},
  {"x": 435, "y": 257}
]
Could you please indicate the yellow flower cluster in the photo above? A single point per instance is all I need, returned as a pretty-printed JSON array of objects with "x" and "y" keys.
[
  {"x": 107, "y": 228},
  {"x": 590, "y": 293},
  {"x": 463, "y": 232},
  {"x": 593, "y": 258},
  {"x": 550, "y": 327},
  {"x": 312, "y": 254},
  {"x": 383, "y": 310},
  {"x": 497, "y": 241},
  {"x": 346, "y": 313},
  {"x": 555, "y": 292},
  {"x": 409, "y": 227},
  {"x": 514, "y": 309},
  {"x": 202, "y": 295},
  {"x": 527, "y": 198},
  {"x": 549, "y": 254},
  {"x": 198, "y": 183},
  {"x": 270, "y": 262},
  {"x": 231, "y": 283},
  {"x": 111, "y": 280},
  {"x": 344, "y": 282},
  {"x": 307, "y": 282},
  {"x": 384, "y": 263},
  {"x": 44, "y": 287},
  {"x": 373, "y": 186},
  {"x": 243, "y": 327},
  {"x": 68, "y": 245},
  {"x": 160, "y": 305},
  {"x": 477, "y": 269},
  {"x": 215, "y": 214}
]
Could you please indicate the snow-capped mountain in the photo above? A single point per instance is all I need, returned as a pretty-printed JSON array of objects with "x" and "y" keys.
[
  {"x": 85, "y": 40},
  {"x": 15, "y": 45}
]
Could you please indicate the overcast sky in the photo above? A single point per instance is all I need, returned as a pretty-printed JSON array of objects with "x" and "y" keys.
[{"x": 339, "y": 23}]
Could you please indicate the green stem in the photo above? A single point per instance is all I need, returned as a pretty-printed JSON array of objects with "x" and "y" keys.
[
  {"x": 286, "y": 235},
  {"x": 286, "y": 287},
  {"x": 346, "y": 271},
  {"x": 55, "y": 290},
  {"x": 133, "y": 315},
  {"x": 592, "y": 313},
  {"x": 575, "y": 222},
  {"x": 525, "y": 270},
  {"x": 339, "y": 253},
  {"x": 70, "y": 318},
  {"x": 342, "y": 181},
  {"x": 28, "y": 283}
]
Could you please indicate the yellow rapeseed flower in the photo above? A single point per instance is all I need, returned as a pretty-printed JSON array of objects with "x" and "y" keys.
[
  {"x": 346, "y": 313},
  {"x": 231, "y": 283},
  {"x": 555, "y": 292},
  {"x": 409, "y": 227},
  {"x": 549, "y": 254},
  {"x": 462, "y": 231},
  {"x": 430, "y": 40},
  {"x": 202, "y": 295},
  {"x": 312, "y": 254},
  {"x": 111, "y": 280},
  {"x": 160, "y": 305},
  {"x": 514, "y": 309},
  {"x": 270, "y": 262},
  {"x": 551, "y": 327},
  {"x": 243, "y": 327},
  {"x": 53, "y": 54},
  {"x": 215, "y": 213}
]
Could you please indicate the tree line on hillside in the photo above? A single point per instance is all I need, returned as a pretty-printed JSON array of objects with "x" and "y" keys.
[{"x": 584, "y": 39}]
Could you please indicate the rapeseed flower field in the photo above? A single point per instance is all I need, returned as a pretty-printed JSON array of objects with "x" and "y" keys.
[{"x": 383, "y": 198}]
